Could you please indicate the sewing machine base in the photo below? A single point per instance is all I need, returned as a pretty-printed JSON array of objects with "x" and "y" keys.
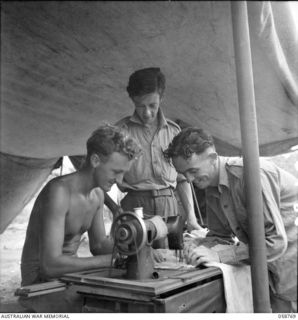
[
  {"x": 174, "y": 291},
  {"x": 140, "y": 266}
]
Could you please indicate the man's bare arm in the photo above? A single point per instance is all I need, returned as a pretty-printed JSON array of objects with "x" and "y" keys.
[
  {"x": 185, "y": 194},
  {"x": 98, "y": 241},
  {"x": 53, "y": 262}
]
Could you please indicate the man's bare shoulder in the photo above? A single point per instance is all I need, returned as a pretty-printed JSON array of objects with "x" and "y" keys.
[
  {"x": 53, "y": 199},
  {"x": 97, "y": 194},
  {"x": 58, "y": 184},
  {"x": 56, "y": 191}
]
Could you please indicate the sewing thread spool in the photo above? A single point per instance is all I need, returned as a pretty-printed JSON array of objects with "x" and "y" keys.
[{"x": 139, "y": 212}]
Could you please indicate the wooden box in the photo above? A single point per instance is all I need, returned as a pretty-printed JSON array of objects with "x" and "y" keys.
[{"x": 175, "y": 291}]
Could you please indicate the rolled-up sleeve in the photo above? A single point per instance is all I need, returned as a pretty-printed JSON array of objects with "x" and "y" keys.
[{"x": 275, "y": 234}]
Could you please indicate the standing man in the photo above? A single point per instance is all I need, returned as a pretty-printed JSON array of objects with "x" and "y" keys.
[
  {"x": 193, "y": 154},
  {"x": 151, "y": 180},
  {"x": 67, "y": 207}
]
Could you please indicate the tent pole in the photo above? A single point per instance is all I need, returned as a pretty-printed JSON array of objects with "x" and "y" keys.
[{"x": 249, "y": 139}]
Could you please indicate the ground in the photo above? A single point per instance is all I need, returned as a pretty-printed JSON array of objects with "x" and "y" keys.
[{"x": 12, "y": 240}]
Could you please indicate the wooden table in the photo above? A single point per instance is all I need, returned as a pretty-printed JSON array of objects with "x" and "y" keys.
[{"x": 107, "y": 290}]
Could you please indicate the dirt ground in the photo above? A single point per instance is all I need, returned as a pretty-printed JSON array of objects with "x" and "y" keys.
[{"x": 11, "y": 244}]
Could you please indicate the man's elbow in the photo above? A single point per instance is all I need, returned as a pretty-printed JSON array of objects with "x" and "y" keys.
[
  {"x": 97, "y": 250},
  {"x": 101, "y": 249},
  {"x": 280, "y": 248},
  {"x": 49, "y": 270}
]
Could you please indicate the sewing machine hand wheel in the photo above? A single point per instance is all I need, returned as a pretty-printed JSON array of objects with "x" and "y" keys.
[{"x": 129, "y": 233}]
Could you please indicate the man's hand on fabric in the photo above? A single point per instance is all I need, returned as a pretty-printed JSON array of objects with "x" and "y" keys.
[
  {"x": 192, "y": 224},
  {"x": 158, "y": 256},
  {"x": 199, "y": 255}
]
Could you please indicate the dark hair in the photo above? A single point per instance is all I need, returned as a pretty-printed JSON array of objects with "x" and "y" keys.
[
  {"x": 188, "y": 141},
  {"x": 108, "y": 139},
  {"x": 146, "y": 81}
]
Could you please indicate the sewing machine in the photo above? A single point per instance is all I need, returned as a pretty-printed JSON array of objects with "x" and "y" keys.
[
  {"x": 140, "y": 286},
  {"x": 134, "y": 236}
]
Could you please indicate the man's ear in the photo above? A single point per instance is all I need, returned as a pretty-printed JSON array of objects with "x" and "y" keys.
[
  {"x": 94, "y": 160},
  {"x": 213, "y": 156}
]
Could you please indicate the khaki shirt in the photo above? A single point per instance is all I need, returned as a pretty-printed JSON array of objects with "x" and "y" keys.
[
  {"x": 151, "y": 170},
  {"x": 227, "y": 216}
]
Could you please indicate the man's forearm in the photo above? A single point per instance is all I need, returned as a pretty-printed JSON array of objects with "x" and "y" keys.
[
  {"x": 185, "y": 194},
  {"x": 232, "y": 254},
  {"x": 56, "y": 267}
]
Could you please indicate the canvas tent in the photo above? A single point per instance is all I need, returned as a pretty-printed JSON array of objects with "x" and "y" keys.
[{"x": 65, "y": 65}]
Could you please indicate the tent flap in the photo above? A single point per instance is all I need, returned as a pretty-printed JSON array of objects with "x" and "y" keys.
[
  {"x": 20, "y": 179},
  {"x": 65, "y": 67}
]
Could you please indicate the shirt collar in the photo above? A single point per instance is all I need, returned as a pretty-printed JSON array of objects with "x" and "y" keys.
[
  {"x": 160, "y": 116},
  {"x": 223, "y": 180},
  {"x": 223, "y": 175}
]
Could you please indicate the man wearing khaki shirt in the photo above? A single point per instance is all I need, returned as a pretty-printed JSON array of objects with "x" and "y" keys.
[
  {"x": 151, "y": 181},
  {"x": 193, "y": 154}
]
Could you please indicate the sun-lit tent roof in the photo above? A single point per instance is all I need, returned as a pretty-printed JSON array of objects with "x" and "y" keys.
[{"x": 65, "y": 66}]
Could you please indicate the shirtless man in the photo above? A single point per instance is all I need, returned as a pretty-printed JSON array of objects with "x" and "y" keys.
[{"x": 67, "y": 207}]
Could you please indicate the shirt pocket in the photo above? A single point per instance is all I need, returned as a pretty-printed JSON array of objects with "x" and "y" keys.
[{"x": 140, "y": 171}]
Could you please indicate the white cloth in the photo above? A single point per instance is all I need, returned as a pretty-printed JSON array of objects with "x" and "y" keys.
[{"x": 237, "y": 287}]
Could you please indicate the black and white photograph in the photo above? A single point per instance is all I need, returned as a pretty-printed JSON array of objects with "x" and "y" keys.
[{"x": 149, "y": 159}]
